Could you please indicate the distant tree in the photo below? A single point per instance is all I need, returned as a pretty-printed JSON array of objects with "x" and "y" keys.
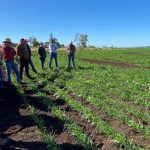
[
  {"x": 104, "y": 46},
  {"x": 33, "y": 41},
  {"x": 81, "y": 40},
  {"x": 46, "y": 44},
  {"x": 92, "y": 46}
]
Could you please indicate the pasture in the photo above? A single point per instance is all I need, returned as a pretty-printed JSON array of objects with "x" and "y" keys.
[{"x": 103, "y": 103}]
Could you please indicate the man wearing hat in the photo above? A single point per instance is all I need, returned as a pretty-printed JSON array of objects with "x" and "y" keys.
[
  {"x": 8, "y": 56},
  {"x": 24, "y": 55}
]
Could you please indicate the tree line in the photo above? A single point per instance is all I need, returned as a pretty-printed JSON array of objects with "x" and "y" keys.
[{"x": 80, "y": 41}]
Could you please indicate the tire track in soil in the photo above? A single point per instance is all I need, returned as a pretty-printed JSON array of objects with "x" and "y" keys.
[
  {"x": 100, "y": 140},
  {"x": 129, "y": 132},
  {"x": 54, "y": 125},
  {"x": 114, "y": 63}
]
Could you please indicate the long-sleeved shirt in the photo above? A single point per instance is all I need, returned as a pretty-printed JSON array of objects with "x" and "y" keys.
[
  {"x": 42, "y": 52},
  {"x": 71, "y": 49},
  {"x": 8, "y": 53},
  {"x": 23, "y": 52},
  {"x": 53, "y": 48}
]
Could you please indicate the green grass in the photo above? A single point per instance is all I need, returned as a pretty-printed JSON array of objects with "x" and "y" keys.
[{"x": 95, "y": 82}]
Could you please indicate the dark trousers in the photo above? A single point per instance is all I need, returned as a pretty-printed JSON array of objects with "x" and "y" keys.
[
  {"x": 24, "y": 63},
  {"x": 71, "y": 56},
  {"x": 42, "y": 60}
]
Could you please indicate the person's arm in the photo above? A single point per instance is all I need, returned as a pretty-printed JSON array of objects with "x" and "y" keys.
[
  {"x": 49, "y": 47},
  {"x": 38, "y": 50},
  {"x": 75, "y": 49},
  {"x": 29, "y": 49},
  {"x": 1, "y": 58},
  {"x": 18, "y": 50},
  {"x": 45, "y": 52},
  {"x": 13, "y": 51},
  {"x": 68, "y": 49}
]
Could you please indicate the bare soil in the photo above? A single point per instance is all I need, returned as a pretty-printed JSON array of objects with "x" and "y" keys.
[
  {"x": 116, "y": 124},
  {"x": 114, "y": 63}
]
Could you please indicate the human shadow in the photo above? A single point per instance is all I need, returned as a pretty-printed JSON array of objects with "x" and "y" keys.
[{"x": 13, "y": 145}]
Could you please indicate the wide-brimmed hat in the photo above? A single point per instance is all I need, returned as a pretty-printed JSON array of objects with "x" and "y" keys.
[{"x": 7, "y": 40}]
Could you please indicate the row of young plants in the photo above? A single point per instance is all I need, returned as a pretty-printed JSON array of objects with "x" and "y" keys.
[
  {"x": 117, "y": 104},
  {"x": 128, "y": 84},
  {"x": 118, "y": 82},
  {"x": 139, "y": 56},
  {"x": 74, "y": 129},
  {"x": 101, "y": 125},
  {"x": 48, "y": 138},
  {"x": 106, "y": 104},
  {"x": 53, "y": 88}
]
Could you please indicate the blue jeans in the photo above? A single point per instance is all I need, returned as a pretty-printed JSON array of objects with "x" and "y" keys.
[
  {"x": 71, "y": 56},
  {"x": 11, "y": 65},
  {"x": 1, "y": 78},
  {"x": 32, "y": 66},
  {"x": 53, "y": 55}
]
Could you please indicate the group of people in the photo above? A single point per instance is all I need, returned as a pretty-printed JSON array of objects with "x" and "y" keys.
[{"x": 23, "y": 52}]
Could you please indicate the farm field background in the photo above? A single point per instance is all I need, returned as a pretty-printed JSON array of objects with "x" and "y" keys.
[{"x": 103, "y": 103}]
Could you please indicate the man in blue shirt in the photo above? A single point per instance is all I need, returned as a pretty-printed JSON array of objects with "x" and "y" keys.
[{"x": 53, "y": 47}]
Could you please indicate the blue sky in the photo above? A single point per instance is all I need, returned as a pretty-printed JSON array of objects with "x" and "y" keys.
[{"x": 121, "y": 23}]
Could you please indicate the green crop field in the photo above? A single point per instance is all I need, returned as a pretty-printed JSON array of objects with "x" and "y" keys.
[{"x": 103, "y": 103}]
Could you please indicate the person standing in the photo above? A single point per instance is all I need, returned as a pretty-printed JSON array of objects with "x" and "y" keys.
[
  {"x": 71, "y": 49},
  {"x": 53, "y": 47},
  {"x": 8, "y": 56},
  {"x": 30, "y": 60},
  {"x": 42, "y": 54},
  {"x": 24, "y": 56},
  {"x": 1, "y": 76}
]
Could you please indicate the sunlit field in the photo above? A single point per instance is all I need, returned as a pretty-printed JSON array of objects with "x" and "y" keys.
[{"x": 103, "y": 103}]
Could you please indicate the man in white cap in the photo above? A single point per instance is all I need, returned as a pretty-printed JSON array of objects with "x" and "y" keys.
[
  {"x": 53, "y": 52},
  {"x": 8, "y": 56}
]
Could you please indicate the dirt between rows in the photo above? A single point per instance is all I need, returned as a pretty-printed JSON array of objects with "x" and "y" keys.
[
  {"x": 138, "y": 53},
  {"x": 129, "y": 132},
  {"x": 114, "y": 63},
  {"x": 100, "y": 141},
  {"x": 17, "y": 125}
]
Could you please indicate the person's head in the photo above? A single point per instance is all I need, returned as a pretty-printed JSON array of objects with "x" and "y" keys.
[
  {"x": 53, "y": 41},
  {"x": 41, "y": 44},
  {"x": 70, "y": 43},
  {"x": 7, "y": 42},
  {"x": 22, "y": 41},
  {"x": 26, "y": 41}
]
